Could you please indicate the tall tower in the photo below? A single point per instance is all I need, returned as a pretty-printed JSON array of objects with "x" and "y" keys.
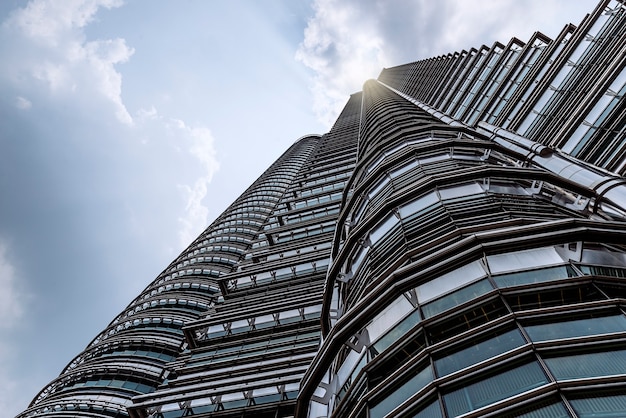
[
  {"x": 454, "y": 246},
  {"x": 479, "y": 267}
]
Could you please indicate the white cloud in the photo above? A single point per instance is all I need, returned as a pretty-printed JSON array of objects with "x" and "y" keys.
[
  {"x": 193, "y": 146},
  {"x": 23, "y": 103},
  {"x": 50, "y": 48},
  {"x": 147, "y": 114},
  {"x": 342, "y": 50},
  {"x": 200, "y": 144},
  {"x": 49, "y": 22}
]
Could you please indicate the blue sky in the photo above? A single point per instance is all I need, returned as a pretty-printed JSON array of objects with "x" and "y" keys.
[{"x": 127, "y": 127}]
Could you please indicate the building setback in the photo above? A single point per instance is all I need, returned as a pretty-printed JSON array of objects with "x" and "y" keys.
[{"x": 454, "y": 246}]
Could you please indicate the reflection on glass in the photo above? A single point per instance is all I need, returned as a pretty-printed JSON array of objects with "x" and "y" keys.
[
  {"x": 553, "y": 410},
  {"x": 580, "y": 366},
  {"x": 494, "y": 389},
  {"x": 449, "y": 281},
  {"x": 523, "y": 260},
  {"x": 431, "y": 411},
  {"x": 398, "y": 331},
  {"x": 554, "y": 297},
  {"x": 603, "y": 271},
  {"x": 534, "y": 276},
  {"x": 456, "y": 298},
  {"x": 577, "y": 328},
  {"x": 382, "y": 228},
  {"x": 478, "y": 352},
  {"x": 401, "y": 394},
  {"x": 418, "y": 204},
  {"x": 600, "y": 406}
]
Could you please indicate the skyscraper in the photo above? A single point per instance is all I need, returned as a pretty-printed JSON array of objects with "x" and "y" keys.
[{"x": 454, "y": 246}]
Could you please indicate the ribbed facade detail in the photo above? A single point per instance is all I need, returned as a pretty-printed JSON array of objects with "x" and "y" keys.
[
  {"x": 247, "y": 358},
  {"x": 460, "y": 245},
  {"x": 129, "y": 357},
  {"x": 566, "y": 93}
]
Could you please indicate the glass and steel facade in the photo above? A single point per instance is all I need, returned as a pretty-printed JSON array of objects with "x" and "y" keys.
[{"x": 454, "y": 246}]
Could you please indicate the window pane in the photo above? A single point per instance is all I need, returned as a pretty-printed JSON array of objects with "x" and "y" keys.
[
  {"x": 534, "y": 276},
  {"x": 395, "y": 359},
  {"x": 579, "y": 366},
  {"x": 523, "y": 260},
  {"x": 382, "y": 228},
  {"x": 401, "y": 394},
  {"x": 467, "y": 320},
  {"x": 398, "y": 331},
  {"x": 553, "y": 297},
  {"x": 603, "y": 271},
  {"x": 600, "y": 407},
  {"x": 554, "y": 410},
  {"x": 494, "y": 389},
  {"x": 393, "y": 313},
  {"x": 577, "y": 328},
  {"x": 479, "y": 352},
  {"x": 456, "y": 298},
  {"x": 449, "y": 281},
  {"x": 431, "y": 411}
]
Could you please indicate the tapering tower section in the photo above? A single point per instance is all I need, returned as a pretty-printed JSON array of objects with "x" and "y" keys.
[
  {"x": 128, "y": 358},
  {"x": 479, "y": 273},
  {"x": 247, "y": 358},
  {"x": 566, "y": 93}
]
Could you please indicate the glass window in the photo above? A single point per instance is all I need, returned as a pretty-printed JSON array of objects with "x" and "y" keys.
[
  {"x": 495, "y": 388},
  {"x": 580, "y": 366},
  {"x": 460, "y": 191},
  {"x": 431, "y": 411},
  {"x": 479, "y": 351},
  {"x": 397, "y": 332},
  {"x": 402, "y": 393},
  {"x": 449, "y": 281},
  {"x": 389, "y": 316},
  {"x": 603, "y": 271},
  {"x": 600, "y": 406},
  {"x": 547, "y": 409},
  {"x": 466, "y": 320},
  {"x": 382, "y": 228},
  {"x": 523, "y": 260},
  {"x": 456, "y": 298},
  {"x": 534, "y": 276},
  {"x": 418, "y": 204},
  {"x": 553, "y": 297},
  {"x": 394, "y": 359},
  {"x": 576, "y": 328}
]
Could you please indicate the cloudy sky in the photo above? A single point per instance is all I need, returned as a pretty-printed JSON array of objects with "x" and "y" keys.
[{"x": 127, "y": 127}]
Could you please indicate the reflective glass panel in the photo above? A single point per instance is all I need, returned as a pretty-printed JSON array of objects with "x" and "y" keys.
[
  {"x": 576, "y": 328},
  {"x": 478, "y": 352},
  {"x": 600, "y": 407},
  {"x": 402, "y": 393},
  {"x": 398, "y": 331},
  {"x": 584, "y": 365},
  {"x": 523, "y": 260},
  {"x": 456, "y": 298},
  {"x": 553, "y": 297},
  {"x": 391, "y": 315},
  {"x": 534, "y": 276},
  {"x": 449, "y": 281},
  {"x": 494, "y": 388},
  {"x": 548, "y": 409},
  {"x": 431, "y": 411}
]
